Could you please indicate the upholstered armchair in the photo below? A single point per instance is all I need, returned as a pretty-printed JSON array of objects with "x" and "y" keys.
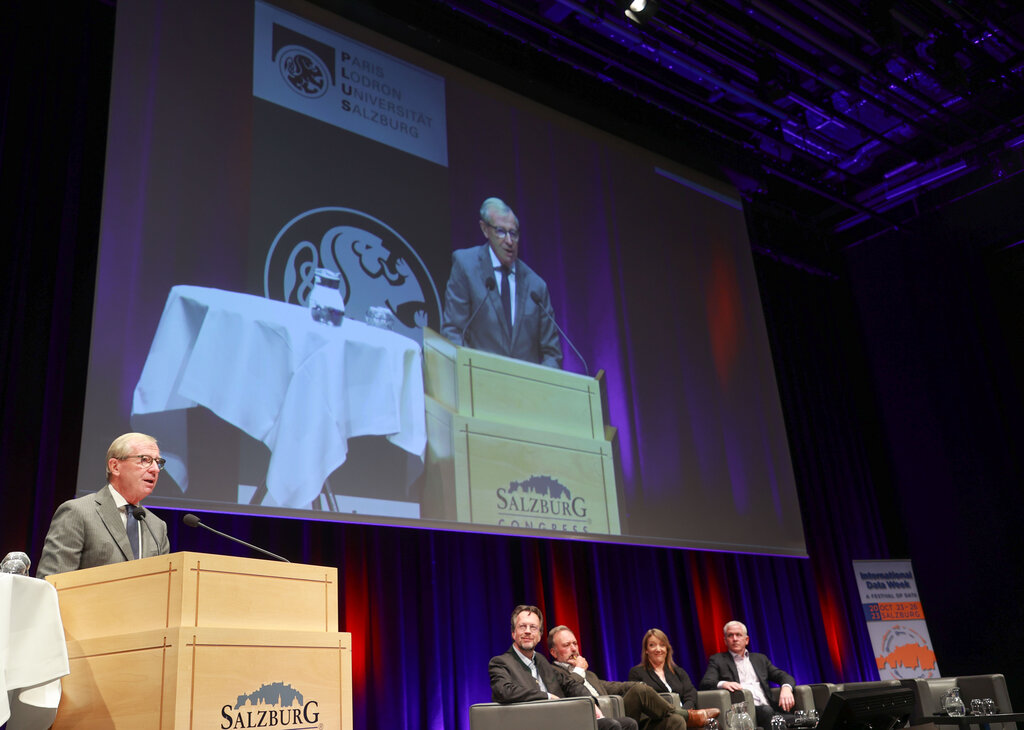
[
  {"x": 572, "y": 712},
  {"x": 928, "y": 697},
  {"x": 708, "y": 698},
  {"x": 611, "y": 706},
  {"x": 803, "y": 697}
]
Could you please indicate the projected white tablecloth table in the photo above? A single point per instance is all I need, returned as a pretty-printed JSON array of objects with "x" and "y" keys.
[
  {"x": 301, "y": 387},
  {"x": 33, "y": 655}
]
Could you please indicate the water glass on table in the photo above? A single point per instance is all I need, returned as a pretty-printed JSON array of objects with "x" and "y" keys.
[{"x": 952, "y": 704}]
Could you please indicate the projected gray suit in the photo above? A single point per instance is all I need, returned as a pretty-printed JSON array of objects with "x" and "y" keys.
[
  {"x": 473, "y": 311},
  {"x": 533, "y": 337}
]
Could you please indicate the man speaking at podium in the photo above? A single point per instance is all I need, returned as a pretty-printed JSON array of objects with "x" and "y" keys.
[
  {"x": 109, "y": 526},
  {"x": 495, "y": 302}
]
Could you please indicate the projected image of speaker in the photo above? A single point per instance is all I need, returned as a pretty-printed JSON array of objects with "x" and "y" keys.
[{"x": 868, "y": 709}]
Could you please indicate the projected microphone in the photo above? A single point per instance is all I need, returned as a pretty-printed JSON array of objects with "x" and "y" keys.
[
  {"x": 192, "y": 521},
  {"x": 490, "y": 286},
  {"x": 16, "y": 563},
  {"x": 536, "y": 300}
]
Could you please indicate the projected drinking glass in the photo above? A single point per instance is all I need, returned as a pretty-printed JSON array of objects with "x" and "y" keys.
[
  {"x": 977, "y": 707},
  {"x": 711, "y": 724},
  {"x": 799, "y": 718},
  {"x": 990, "y": 707},
  {"x": 379, "y": 317},
  {"x": 325, "y": 302},
  {"x": 812, "y": 718},
  {"x": 778, "y": 722}
]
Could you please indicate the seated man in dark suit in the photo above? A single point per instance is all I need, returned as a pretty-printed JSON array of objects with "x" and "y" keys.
[
  {"x": 494, "y": 301},
  {"x": 739, "y": 669},
  {"x": 637, "y": 698},
  {"x": 102, "y": 528},
  {"x": 521, "y": 674}
]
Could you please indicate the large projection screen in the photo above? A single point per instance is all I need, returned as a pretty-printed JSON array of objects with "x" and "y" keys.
[{"x": 250, "y": 142}]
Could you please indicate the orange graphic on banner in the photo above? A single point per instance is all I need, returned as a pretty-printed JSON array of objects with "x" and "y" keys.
[{"x": 908, "y": 656}]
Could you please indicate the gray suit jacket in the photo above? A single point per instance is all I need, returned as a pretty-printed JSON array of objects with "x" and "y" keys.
[
  {"x": 533, "y": 338},
  {"x": 88, "y": 531}
]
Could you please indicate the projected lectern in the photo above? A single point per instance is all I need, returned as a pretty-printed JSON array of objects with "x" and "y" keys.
[
  {"x": 517, "y": 445},
  {"x": 190, "y": 640}
]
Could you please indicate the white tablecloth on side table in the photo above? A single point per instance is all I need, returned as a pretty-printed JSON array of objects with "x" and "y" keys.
[
  {"x": 33, "y": 655},
  {"x": 301, "y": 387}
]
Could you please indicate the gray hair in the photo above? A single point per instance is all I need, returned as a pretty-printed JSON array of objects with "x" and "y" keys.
[
  {"x": 496, "y": 205},
  {"x": 121, "y": 446},
  {"x": 725, "y": 629},
  {"x": 554, "y": 632}
]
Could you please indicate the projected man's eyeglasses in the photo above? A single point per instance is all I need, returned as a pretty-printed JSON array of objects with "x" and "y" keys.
[
  {"x": 145, "y": 460},
  {"x": 504, "y": 232}
]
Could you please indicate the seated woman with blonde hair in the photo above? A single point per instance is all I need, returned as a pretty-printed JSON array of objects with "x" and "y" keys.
[{"x": 657, "y": 670}]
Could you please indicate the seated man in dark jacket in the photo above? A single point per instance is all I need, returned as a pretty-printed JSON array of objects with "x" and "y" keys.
[
  {"x": 738, "y": 669},
  {"x": 522, "y": 674}
]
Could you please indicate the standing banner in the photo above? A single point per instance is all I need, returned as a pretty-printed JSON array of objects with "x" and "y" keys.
[{"x": 892, "y": 609}]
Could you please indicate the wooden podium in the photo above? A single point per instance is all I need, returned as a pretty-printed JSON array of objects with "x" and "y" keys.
[
  {"x": 191, "y": 640},
  {"x": 516, "y": 445}
]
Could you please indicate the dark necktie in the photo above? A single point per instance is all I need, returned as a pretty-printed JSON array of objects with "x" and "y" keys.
[
  {"x": 506, "y": 296},
  {"x": 132, "y": 526}
]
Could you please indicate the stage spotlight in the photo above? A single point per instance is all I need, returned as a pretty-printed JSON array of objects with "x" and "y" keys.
[{"x": 639, "y": 11}]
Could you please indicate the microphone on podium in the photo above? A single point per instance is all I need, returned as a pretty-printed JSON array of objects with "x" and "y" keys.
[
  {"x": 192, "y": 521},
  {"x": 536, "y": 300},
  {"x": 140, "y": 515}
]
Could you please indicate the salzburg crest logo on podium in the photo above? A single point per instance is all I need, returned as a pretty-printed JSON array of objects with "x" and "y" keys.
[
  {"x": 272, "y": 705},
  {"x": 542, "y": 503}
]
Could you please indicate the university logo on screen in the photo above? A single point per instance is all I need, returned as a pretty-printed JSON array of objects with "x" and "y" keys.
[
  {"x": 305, "y": 64},
  {"x": 541, "y": 503},
  {"x": 272, "y": 705},
  {"x": 325, "y": 75}
]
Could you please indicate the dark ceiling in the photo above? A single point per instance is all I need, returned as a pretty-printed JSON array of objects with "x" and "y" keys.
[{"x": 855, "y": 115}]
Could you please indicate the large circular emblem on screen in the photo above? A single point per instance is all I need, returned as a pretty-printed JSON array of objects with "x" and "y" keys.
[
  {"x": 378, "y": 267},
  {"x": 303, "y": 71}
]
